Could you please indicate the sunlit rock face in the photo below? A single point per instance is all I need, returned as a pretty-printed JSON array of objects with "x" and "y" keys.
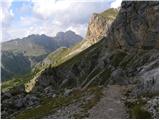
[{"x": 99, "y": 25}]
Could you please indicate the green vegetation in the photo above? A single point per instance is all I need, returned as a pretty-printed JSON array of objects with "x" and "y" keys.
[
  {"x": 26, "y": 52},
  {"x": 48, "y": 105},
  {"x": 7, "y": 85},
  {"x": 136, "y": 110},
  {"x": 60, "y": 56},
  {"x": 126, "y": 60},
  {"x": 67, "y": 54},
  {"x": 110, "y": 13},
  {"x": 14, "y": 64},
  {"x": 80, "y": 115},
  {"x": 117, "y": 57},
  {"x": 97, "y": 94},
  {"x": 78, "y": 57},
  {"x": 104, "y": 76}
]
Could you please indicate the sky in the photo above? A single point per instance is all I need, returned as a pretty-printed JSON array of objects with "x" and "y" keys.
[{"x": 20, "y": 18}]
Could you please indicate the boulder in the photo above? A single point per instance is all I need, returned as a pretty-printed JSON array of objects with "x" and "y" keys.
[
  {"x": 19, "y": 103},
  {"x": 6, "y": 95},
  {"x": 31, "y": 100},
  {"x": 67, "y": 92}
]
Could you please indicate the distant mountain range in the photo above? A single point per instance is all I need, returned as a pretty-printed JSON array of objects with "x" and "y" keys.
[
  {"x": 112, "y": 73},
  {"x": 20, "y": 55}
]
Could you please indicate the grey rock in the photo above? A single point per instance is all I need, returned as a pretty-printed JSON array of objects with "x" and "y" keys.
[
  {"x": 31, "y": 100},
  {"x": 152, "y": 106},
  {"x": 44, "y": 82},
  {"x": 118, "y": 77},
  {"x": 48, "y": 89},
  {"x": 6, "y": 95},
  {"x": 67, "y": 92},
  {"x": 19, "y": 103},
  {"x": 132, "y": 29},
  {"x": 148, "y": 83},
  {"x": 54, "y": 95}
]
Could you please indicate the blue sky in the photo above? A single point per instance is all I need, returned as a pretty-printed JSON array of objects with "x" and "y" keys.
[{"x": 20, "y": 18}]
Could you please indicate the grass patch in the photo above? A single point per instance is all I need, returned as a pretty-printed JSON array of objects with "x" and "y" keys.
[
  {"x": 97, "y": 94},
  {"x": 117, "y": 57},
  {"x": 9, "y": 84},
  {"x": 80, "y": 115},
  {"x": 137, "y": 112},
  {"x": 105, "y": 77},
  {"x": 110, "y": 13},
  {"x": 47, "y": 106}
]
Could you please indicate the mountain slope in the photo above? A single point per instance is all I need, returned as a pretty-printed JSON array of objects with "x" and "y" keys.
[
  {"x": 115, "y": 59},
  {"x": 98, "y": 27},
  {"x": 35, "y": 48},
  {"x": 18, "y": 60},
  {"x": 76, "y": 85}
]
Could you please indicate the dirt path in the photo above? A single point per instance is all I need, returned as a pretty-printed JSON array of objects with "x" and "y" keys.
[{"x": 110, "y": 106}]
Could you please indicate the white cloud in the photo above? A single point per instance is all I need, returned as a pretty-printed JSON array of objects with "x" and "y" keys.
[
  {"x": 79, "y": 29},
  {"x": 46, "y": 8},
  {"x": 28, "y": 21},
  {"x": 116, "y": 4},
  {"x": 51, "y": 16},
  {"x": 6, "y": 14}
]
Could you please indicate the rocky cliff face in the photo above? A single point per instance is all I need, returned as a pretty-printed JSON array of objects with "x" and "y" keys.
[
  {"x": 136, "y": 26},
  {"x": 97, "y": 28},
  {"x": 99, "y": 25}
]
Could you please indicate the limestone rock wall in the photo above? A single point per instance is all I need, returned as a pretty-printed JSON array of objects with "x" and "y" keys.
[{"x": 136, "y": 26}]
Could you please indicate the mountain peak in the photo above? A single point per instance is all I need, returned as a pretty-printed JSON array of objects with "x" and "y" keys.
[
  {"x": 70, "y": 32},
  {"x": 32, "y": 35},
  {"x": 60, "y": 34}
]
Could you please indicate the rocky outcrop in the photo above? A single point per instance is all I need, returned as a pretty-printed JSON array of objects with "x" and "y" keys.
[
  {"x": 16, "y": 100},
  {"x": 97, "y": 28},
  {"x": 99, "y": 25},
  {"x": 136, "y": 26}
]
